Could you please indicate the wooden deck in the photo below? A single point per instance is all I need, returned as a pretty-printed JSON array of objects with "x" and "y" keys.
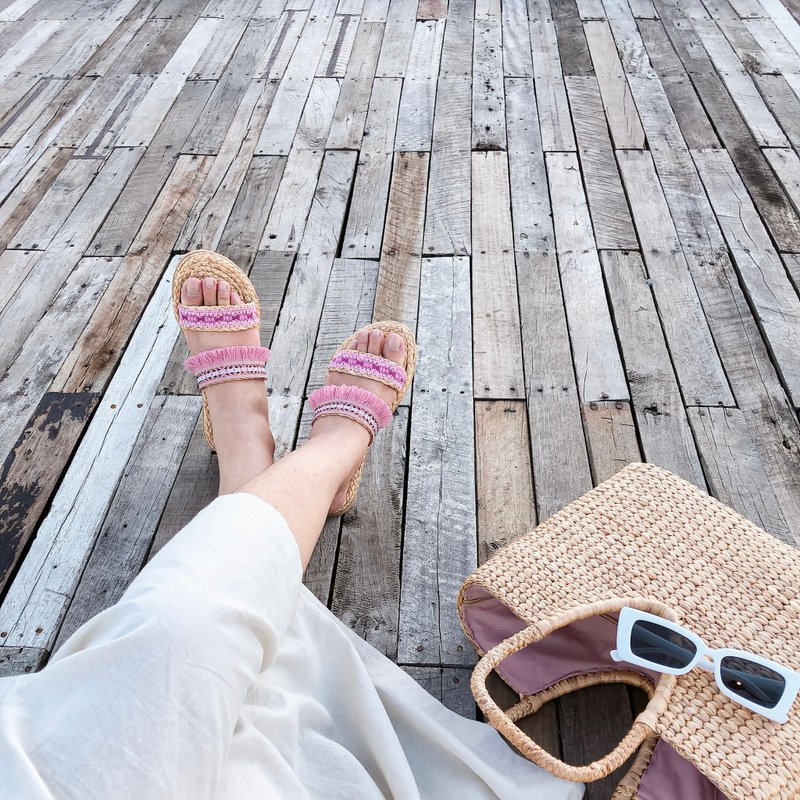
[{"x": 587, "y": 209}]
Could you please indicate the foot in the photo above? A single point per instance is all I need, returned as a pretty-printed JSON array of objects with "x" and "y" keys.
[
  {"x": 343, "y": 431},
  {"x": 239, "y": 410}
]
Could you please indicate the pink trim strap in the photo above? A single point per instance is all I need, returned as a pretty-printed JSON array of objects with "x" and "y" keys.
[
  {"x": 238, "y": 363},
  {"x": 218, "y": 318},
  {"x": 354, "y": 402},
  {"x": 370, "y": 366}
]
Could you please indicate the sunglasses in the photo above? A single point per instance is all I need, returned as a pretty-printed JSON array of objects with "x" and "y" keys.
[{"x": 760, "y": 685}]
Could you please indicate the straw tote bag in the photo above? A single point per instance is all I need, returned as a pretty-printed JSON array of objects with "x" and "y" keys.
[{"x": 542, "y": 612}]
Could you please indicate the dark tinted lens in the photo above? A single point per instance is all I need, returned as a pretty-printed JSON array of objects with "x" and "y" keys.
[
  {"x": 752, "y": 681},
  {"x": 660, "y": 645}
]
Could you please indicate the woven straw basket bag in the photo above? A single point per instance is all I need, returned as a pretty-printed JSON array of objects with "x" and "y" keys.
[{"x": 542, "y": 612}]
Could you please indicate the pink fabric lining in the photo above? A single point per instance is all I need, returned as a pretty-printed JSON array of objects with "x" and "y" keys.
[
  {"x": 218, "y": 318},
  {"x": 578, "y": 649},
  {"x": 369, "y": 366}
]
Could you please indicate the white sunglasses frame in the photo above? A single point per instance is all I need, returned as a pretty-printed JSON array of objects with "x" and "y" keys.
[{"x": 708, "y": 659}]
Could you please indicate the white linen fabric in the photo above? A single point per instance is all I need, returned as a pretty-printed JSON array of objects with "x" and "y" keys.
[{"x": 219, "y": 675}]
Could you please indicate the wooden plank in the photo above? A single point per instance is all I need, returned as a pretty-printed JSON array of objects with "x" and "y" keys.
[
  {"x": 554, "y": 118},
  {"x": 54, "y": 266},
  {"x": 401, "y": 25},
  {"x": 281, "y": 36},
  {"x": 16, "y": 9},
  {"x": 287, "y": 219},
  {"x": 213, "y": 60},
  {"x": 530, "y": 200},
  {"x": 623, "y": 118},
  {"x": 20, "y": 203},
  {"x": 517, "y": 60},
  {"x": 506, "y": 505},
  {"x": 780, "y": 55},
  {"x": 367, "y": 212},
  {"x": 597, "y": 360},
  {"x": 572, "y": 45},
  {"x": 294, "y": 337},
  {"x": 415, "y": 119},
  {"x": 488, "y": 97},
  {"x": 347, "y": 129},
  {"x": 397, "y": 295},
  {"x": 207, "y": 135},
  {"x": 439, "y": 547},
  {"x": 56, "y": 206},
  {"x": 611, "y": 217},
  {"x": 152, "y": 111},
  {"x": 21, "y": 660},
  {"x": 786, "y": 166},
  {"x": 694, "y": 353},
  {"x": 338, "y": 47},
  {"x": 15, "y": 266},
  {"x": 121, "y": 226},
  {"x": 26, "y": 47},
  {"x": 40, "y": 95},
  {"x": 449, "y": 685},
  {"x": 733, "y": 468},
  {"x": 431, "y": 9},
  {"x": 134, "y": 513},
  {"x": 689, "y": 112},
  {"x": 96, "y": 354},
  {"x": 38, "y": 597},
  {"x": 663, "y": 426},
  {"x": 591, "y": 9},
  {"x": 48, "y": 343},
  {"x": 487, "y": 9},
  {"x": 366, "y": 591},
  {"x": 767, "y": 286},
  {"x": 610, "y": 437},
  {"x": 447, "y": 217},
  {"x": 497, "y": 358},
  {"x": 33, "y": 468},
  {"x": 211, "y": 211},
  {"x": 458, "y": 35},
  {"x": 783, "y": 103}
]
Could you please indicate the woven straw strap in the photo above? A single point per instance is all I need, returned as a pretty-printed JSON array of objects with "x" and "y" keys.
[{"x": 505, "y": 721}]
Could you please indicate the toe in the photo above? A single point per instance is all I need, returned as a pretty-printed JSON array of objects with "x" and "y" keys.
[
  {"x": 394, "y": 348},
  {"x": 209, "y": 292},
  {"x": 362, "y": 341},
  {"x": 191, "y": 292},
  {"x": 223, "y": 293},
  {"x": 235, "y": 299},
  {"x": 375, "y": 341}
]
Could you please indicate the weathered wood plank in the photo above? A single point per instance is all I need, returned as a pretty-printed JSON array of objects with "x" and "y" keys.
[
  {"x": 663, "y": 426},
  {"x": 610, "y": 437},
  {"x": 733, "y": 468},
  {"x": 96, "y": 354},
  {"x": 623, "y": 119},
  {"x": 611, "y": 217},
  {"x": 431, "y": 9},
  {"x": 397, "y": 294},
  {"x": 597, "y": 359},
  {"x": 347, "y": 129},
  {"x": 367, "y": 212},
  {"x": 37, "y": 599},
  {"x": 517, "y": 61},
  {"x": 449, "y": 685},
  {"x": 458, "y": 35},
  {"x": 401, "y": 25},
  {"x": 33, "y": 468},
  {"x": 439, "y": 547},
  {"x": 786, "y": 166},
  {"x": 15, "y": 266},
  {"x": 506, "y": 505},
  {"x": 488, "y": 96},
  {"x": 415, "y": 119},
  {"x": 134, "y": 513},
  {"x": 447, "y": 216},
  {"x": 774, "y": 299},
  {"x": 213, "y": 60},
  {"x": 783, "y": 103},
  {"x": 572, "y": 45},
  {"x": 497, "y": 358},
  {"x": 530, "y": 200},
  {"x": 700, "y": 372},
  {"x": 366, "y": 591},
  {"x": 338, "y": 47}
]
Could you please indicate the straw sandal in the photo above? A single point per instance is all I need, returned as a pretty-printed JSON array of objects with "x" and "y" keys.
[
  {"x": 235, "y": 363},
  {"x": 362, "y": 405}
]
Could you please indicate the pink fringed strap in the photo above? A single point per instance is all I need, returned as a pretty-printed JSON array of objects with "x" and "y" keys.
[
  {"x": 218, "y": 318},
  {"x": 370, "y": 366},
  {"x": 239, "y": 363},
  {"x": 354, "y": 402}
]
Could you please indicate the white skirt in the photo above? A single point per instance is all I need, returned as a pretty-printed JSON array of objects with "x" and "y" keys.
[{"x": 219, "y": 675}]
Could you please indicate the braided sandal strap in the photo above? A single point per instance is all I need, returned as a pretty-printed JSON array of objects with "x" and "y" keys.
[
  {"x": 219, "y": 318},
  {"x": 238, "y": 363},
  {"x": 354, "y": 402},
  {"x": 367, "y": 365}
]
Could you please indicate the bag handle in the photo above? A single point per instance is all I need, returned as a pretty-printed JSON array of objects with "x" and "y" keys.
[{"x": 505, "y": 721}]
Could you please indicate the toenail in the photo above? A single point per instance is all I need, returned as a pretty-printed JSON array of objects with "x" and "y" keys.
[
  {"x": 394, "y": 342},
  {"x": 223, "y": 287},
  {"x": 209, "y": 282},
  {"x": 375, "y": 334},
  {"x": 193, "y": 287}
]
